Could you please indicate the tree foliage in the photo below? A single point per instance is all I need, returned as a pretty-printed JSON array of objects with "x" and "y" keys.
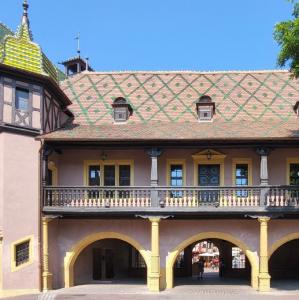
[{"x": 287, "y": 35}]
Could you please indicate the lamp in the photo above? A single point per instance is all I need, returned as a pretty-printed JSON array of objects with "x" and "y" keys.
[
  {"x": 103, "y": 156},
  {"x": 209, "y": 155}
]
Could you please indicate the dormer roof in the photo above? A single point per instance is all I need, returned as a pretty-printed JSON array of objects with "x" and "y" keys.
[{"x": 20, "y": 51}]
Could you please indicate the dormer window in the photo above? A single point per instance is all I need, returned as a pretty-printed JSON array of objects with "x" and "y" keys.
[
  {"x": 205, "y": 109},
  {"x": 296, "y": 108},
  {"x": 122, "y": 110}
]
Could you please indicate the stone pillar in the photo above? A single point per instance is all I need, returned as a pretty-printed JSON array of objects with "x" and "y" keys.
[
  {"x": 154, "y": 277},
  {"x": 154, "y": 153},
  {"x": 264, "y": 177},
  {"x": 264, "y": 152},
  {"x": 47, "y": 276},
  {"x": 264, "y": 277}
]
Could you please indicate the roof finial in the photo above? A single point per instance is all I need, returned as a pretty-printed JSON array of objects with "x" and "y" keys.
[
  {"x": 78, "y": 43},
  {"x": 24, "y": 29},
  {"x": 25, "y": 12}
]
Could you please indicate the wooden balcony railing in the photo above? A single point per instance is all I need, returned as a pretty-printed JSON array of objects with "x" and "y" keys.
[{"x": 188, "y": 197}]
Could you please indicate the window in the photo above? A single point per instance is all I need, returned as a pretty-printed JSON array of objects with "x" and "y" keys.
[
  {"x": 294, "y": 174},
  {"x": 205, "y": 108},
  {"x": 109, "y": 175},
  {"x": 205, "y": 114},
  {"x": 176, "y": 179},
  {"x": 122, "y": 110},
  {"x": 94, "y": 175},
  {"x": 22, "y": 253},
  {"x": 241, "y": 175},
  {"x": 238, "y": 258},
  {"x": 22, "y": 99},
  {"x": 124, "y": 175}
]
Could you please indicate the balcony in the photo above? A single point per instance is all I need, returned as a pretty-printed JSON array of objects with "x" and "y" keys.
[{"x": 170, "y": 199}]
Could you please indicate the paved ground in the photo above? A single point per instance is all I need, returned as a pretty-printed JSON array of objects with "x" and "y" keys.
[{"x": 206, "y": 289}]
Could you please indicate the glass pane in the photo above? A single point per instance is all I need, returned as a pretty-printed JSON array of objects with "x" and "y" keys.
[
  {"x": 22, "y": 253},
  {"x": 124, "y": 175},
  {"x": 176, "y": 175},
  {"x": 294, "y": 174},
  {"x": 241, "y": 174},
  {"x": 176, "y": 179},
  {"x": 209, "y": 175},
  {"x": 109, "y": 175},
  {"x": 94, "y": 175},
  {"x": 22, "y": 99}
]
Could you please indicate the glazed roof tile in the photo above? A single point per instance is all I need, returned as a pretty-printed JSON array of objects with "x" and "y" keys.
[{"x": 249, "y": 104}]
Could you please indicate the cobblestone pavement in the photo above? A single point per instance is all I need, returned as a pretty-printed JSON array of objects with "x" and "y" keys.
[{"x": 191, "y": 291}]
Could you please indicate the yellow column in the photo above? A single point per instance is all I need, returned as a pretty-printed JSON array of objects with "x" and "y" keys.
[
  {"x": 154, "y": 276},
  {"x": 47, "y": 276},
  {"x": 264, "y": 277}
]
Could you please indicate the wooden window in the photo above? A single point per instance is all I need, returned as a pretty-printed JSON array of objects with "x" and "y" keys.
[
  {"x": 94, "y": 175},
  {"x": 124, "y": 175},
  {"x": 109, "y": 175},
  {"x": 294, "y": 174},
  {"x": 241, "y": 176},
  {"x": 22, "y": 253},
  {"x": 176, "y": 175},
  {"x": 22, "y": 99}
]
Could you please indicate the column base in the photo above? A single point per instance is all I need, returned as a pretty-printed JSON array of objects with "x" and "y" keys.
[
  {"x": 154, "y": 282},
  {"x": 47, "y": 281},
  {"x": 264, "y": 282}
]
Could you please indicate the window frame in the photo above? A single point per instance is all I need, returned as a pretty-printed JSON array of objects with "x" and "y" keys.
[
  {"x": 242, "y": 161},
  {"x": 289, "y": 161},
  {"x": 171, "y": 162},
  {"x": 20, "y": 88},
  {"x": 102, "y": 163},
  {"x": 14, "y": 245}
]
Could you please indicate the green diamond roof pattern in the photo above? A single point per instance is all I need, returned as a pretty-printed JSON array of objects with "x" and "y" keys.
[{"x": 171, "y": 97}]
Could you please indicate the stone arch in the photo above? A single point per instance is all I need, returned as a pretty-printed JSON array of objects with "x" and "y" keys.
[
  {"x": 252, "y": 257},
  {"x": 287, "y": 238},
  {"x": 72, "y": 255}
]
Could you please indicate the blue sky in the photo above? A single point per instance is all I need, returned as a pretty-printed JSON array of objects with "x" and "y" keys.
[{"x": 156, "y": 34}]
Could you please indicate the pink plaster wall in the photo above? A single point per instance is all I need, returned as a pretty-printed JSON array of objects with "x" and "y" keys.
[
  {"x": 66, "y": 233},
  {"x": 281, "y": 228},
  {"x": 69, "y": 232},
  {"x": 71, "y": 164},
  {"x": 19, "y": 193}
]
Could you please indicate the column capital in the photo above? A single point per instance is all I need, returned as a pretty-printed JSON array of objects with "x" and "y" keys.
[
  {"x": 48, "y": 219},
  {"x": 263, "y": 151},
  {"x": 154, "y": 219},
  {"x": 154, "y": 152},
  {"x": 264, "y": 219}
]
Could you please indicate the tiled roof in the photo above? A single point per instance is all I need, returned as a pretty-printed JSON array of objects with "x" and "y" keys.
[
  {"x": 218, "y": 130},
  {"x": 4, "y": 30},
  {"x": 253, "y": 104},
  {"x": 19, "y": 51},
  {"x": 171, "y": 96}
]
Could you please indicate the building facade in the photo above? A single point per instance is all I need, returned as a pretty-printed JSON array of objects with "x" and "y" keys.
[{"x": 117, "y": 175}]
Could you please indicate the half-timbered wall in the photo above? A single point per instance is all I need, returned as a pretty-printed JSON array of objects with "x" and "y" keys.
[
  {"x": 53, "y": 115},
  {"x": 9, "y": 114}
]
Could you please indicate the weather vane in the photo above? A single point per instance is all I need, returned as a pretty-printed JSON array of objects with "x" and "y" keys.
[{"x": 78, "y": 43}]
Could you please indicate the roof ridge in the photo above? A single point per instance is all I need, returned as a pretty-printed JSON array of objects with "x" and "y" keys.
[
  {"x": 7, "y": 27},
  {"x": 183, "y": 72}
]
